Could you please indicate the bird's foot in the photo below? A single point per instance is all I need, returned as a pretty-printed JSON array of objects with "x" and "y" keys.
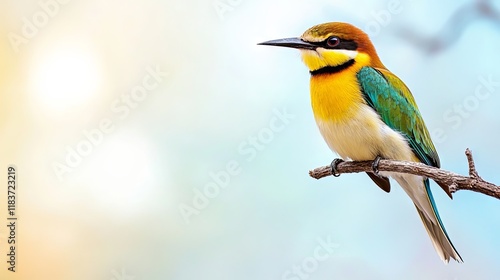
[
  {"x": 334, "y": 165},
  {"x": 375, "y": 164}
]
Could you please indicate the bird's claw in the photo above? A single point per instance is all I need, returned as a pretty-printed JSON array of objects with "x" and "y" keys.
[
  {"x": 375, "y": 164},
  {"x": 334, "y": 165}
]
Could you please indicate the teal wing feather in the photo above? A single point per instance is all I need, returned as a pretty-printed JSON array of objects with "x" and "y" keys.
[{"x": 397, "y": 108}]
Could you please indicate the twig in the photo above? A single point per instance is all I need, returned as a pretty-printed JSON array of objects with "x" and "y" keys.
[
  {"x": 456, "y": 182},
  {"x": 453, "y": 28}
]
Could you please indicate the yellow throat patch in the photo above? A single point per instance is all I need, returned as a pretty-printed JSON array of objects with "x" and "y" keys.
[{"x": 335, "y": 97}]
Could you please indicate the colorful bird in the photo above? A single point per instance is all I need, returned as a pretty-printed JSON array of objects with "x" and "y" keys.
[{"x": 364, "y": 112}]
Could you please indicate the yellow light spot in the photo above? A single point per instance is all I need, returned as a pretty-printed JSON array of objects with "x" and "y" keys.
[{"x": 64, "y": 78}]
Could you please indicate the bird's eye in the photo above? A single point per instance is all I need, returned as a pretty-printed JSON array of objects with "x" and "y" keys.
[{"x": 333, "y": 41}]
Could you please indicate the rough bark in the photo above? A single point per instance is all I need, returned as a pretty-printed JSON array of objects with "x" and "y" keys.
[{"x": 456, "y": 182}]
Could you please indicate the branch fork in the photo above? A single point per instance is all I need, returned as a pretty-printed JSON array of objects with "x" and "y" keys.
[{"x": 456, "y": 182}]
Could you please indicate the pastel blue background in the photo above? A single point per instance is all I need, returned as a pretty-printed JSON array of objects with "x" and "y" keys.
[{"x": 119, "y": 209}]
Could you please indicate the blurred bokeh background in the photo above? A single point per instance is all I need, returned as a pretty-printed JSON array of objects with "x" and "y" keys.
[{"x": 156, "y": 140}]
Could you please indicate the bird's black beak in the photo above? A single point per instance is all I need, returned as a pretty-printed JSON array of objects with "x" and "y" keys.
[{"x": 295, "y": 43}]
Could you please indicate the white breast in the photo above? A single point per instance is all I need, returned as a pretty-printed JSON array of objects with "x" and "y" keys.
[{"x": 364, "y": 137}]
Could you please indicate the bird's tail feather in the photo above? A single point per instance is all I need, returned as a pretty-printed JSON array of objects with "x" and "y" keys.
[{"x": 427, "y": 211}]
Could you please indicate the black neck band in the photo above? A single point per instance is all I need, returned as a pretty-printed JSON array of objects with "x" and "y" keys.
[{"x": 332, "y": 69}]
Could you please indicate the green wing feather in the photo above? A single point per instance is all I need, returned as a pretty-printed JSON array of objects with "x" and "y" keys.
[
  {"x": 393, "y": 101},
  {"x": 395, "y": 104}
]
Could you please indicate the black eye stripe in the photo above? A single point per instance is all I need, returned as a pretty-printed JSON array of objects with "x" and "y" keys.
[
  {"x": 347, "y": 45},
  {"x": 343, "y": 45}
]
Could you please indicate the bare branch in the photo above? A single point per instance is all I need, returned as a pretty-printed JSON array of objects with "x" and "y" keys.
[
  {"x": 453, "y": 28},
  {"x": 456, "y": 182}
]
